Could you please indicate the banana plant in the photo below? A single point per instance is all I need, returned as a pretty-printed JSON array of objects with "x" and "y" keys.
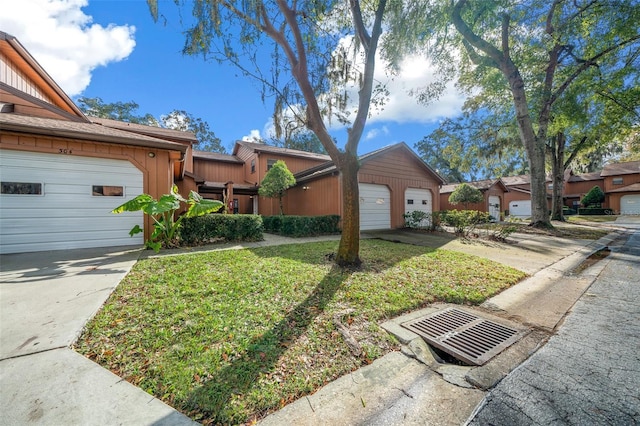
[{"x": 162, "y": 211}]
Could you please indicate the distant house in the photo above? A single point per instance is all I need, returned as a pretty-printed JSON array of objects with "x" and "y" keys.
[
  {"x": 622, "y": 187},
  {"x": 392, "y": 181},
  {"x": 577, "y": 186},
  {"x": 493, "y": 190},
  {"x": 62, "y": 174}
]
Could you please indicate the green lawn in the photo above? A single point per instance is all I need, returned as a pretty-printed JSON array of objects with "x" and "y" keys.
[
  {"x": 578, "y": 218},
  {"x": 228, "y": 336}
]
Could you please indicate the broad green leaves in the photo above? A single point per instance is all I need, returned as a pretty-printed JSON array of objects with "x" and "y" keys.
[{"x": 163, "y": 212}]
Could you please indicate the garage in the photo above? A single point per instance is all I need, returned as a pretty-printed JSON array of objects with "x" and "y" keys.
[
  {"x": 630, "y": 204},
  {"x": 416, "y": 199},
  {"x": 375, "y": 207},
  {"x": 58, "y": 201},
  {"x": 520, "y": 208}
]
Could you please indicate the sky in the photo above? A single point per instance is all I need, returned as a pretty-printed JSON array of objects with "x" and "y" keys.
[{"x": 112, "y": 49}]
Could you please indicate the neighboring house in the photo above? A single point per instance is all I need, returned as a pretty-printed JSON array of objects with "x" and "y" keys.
[
  {"x": 622, "y": 187},
  {"x": 393, "y": 181},
  {"x": 577, "y": 186},
  {"x": 493, "y": 191},
  {"x": 61, "y": 174}
]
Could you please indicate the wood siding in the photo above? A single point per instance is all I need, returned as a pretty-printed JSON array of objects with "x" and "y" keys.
[
  {"x": 575, "y": 191},
  {"x": 24, "y": 107},
  {"x": 218, "y": 171},
  {"x": 322, "y": 197},
  {"x": 12, "y": 76},
  {"x": 157, "y": 172}
]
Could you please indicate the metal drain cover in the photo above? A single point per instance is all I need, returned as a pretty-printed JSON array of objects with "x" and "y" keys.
[{"x": 464, "y": 335}]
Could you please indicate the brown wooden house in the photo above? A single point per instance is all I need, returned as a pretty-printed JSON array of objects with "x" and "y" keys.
[
  {"x": 61, "y": 174},
  {"x": 493, "y": 191},
  {"x": 622, "y": 187}
]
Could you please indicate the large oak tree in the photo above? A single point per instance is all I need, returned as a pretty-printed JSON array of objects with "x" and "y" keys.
[{"x": 306, "y": 59}]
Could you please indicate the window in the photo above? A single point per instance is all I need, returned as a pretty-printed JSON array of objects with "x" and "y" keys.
[
  {"x": 253, "y": 166},
  {"x": 107, "y": 191},
  {"x": 617, "y": 181},
  {"x": 409, "y": 201},
  {"x": 270, "y": 163},
  {"x": 550, "y": 186},
  {"x": 21, "y": 188}
]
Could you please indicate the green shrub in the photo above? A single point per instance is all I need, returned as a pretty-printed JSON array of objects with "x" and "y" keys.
[
  {"x": 595, "y": 212},
  {"x": 567, "y": 211},
  {"x": 464, "y": 221},
  {"x": 417, "y": 219},
  {"x": 221, "y": 227},
  {"x": 301, "y": 226},
  {"x": 594, "y": 197}
]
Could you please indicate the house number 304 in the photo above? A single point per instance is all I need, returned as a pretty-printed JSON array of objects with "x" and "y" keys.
[{"x": 65, "y": 151}]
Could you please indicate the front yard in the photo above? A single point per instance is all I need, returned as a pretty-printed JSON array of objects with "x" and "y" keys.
[{"x": 229, "y": 336}]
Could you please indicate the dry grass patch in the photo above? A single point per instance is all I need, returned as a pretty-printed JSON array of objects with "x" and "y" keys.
[{"x": 229, "y": 336}]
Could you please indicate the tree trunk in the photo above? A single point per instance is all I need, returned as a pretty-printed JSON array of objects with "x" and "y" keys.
[
  {"x": 557, "y": 171},
  {"x": 349, "y": 248},
  {"x": 281, "y": 207}
]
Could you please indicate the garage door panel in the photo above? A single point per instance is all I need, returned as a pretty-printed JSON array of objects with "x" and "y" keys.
[
  {"x": 67, "y": 215},
  {"x": 418, "y": 199},
  {"x": 630, "y": 204},
  {"x": 375, "y": 206}
]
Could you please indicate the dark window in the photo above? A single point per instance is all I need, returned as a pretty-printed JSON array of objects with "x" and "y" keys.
[
  {"x": 270, "y": 163},
  {"x": 253, "y": 166},
  {"x": 107, "y": 191},
  {"x": 409, "y": 201},
  {"x": 21, "y": 188},
  {"x": 617, "y": 181}
]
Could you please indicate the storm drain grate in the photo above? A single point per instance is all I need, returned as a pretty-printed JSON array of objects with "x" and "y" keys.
[{"x": 463, "y": 335}]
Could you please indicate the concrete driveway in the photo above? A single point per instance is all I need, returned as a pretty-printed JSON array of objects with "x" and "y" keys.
[{"x": 46, "y": 299}]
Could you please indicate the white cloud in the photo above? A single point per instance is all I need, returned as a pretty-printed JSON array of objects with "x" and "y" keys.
[
  {"x": 374, "y": 133},
  {"x": 253, "y": 136},
  {"x": 64, "y": 40}
]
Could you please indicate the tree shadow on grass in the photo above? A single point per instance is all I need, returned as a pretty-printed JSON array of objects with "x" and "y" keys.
[{"x": 213, "y": 398}]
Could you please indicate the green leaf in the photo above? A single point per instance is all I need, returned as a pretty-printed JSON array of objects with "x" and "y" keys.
[
  {"x": 137, "y": 204},
  {"x": 203, "y": 207},
  {"x": 135, "y": 230}
]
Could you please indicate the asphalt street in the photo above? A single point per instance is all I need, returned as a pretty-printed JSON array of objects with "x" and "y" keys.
[{"x": 589, "y": 372}]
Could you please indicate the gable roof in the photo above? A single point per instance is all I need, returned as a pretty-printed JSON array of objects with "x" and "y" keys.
[
  {"x": 30, "y": 69},
  {"x": 627, "y": 168},
  {"x": 85, "y": 131},
  {"x": 585, "y": 177},
  {"x": 482, "y": 185},
  {"x": 330, "y": 167},
  {"x": 261, "y": 147},
  {"x": 153, "y": 131},
  {"x": 216, "y": 156}
]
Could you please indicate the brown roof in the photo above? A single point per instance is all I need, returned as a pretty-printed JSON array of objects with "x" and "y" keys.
[
  {"x": 86, "y": 131},
  {"x": 516, "y": 180},
  {"x": 330, "y": 167},
  {"x": 154, "y": 131},
  {"x": 628, "y": 168},
  {"x": 482, "y": 185},
  {"x": 216, "y": 156},
  {"x": 585, "y": 177},
  {"x": 260, "y": 147},
  {"x": 634, "y": 187}
]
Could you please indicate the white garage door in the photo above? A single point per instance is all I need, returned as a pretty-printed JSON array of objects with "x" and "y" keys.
[
  {"x": 54, "y": 202},
  {"x": 375, "y": 207},
  {"x": 521, "y": 208},
  {"x": 418, "y": 200},
  {"x": 630, "y": 204}
]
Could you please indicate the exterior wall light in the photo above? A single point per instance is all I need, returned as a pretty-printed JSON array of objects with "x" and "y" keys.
[
  {"x": 152, "y": 154},
  {"x": 304, "y": 188}
]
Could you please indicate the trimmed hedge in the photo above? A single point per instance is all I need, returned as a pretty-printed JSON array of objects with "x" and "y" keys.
[
  {"x": 595, "y": 212},
  {"x": 301, "y": 226},
  {"x": 221, "y": 227}
]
